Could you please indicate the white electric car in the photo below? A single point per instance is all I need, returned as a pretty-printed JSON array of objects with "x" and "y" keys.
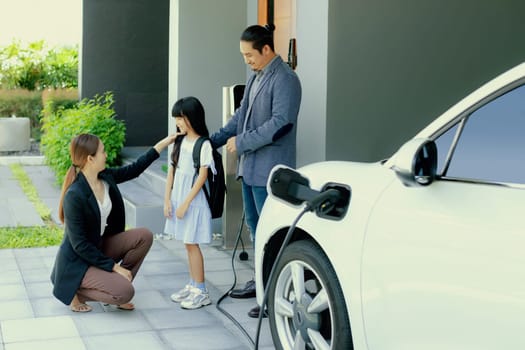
[{"x": 425, "y": 250}]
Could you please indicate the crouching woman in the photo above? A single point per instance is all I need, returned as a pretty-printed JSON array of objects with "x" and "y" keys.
[{"x": 97, "y": 259}]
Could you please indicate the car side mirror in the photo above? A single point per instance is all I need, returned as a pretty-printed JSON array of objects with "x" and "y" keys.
[{"x": 416, "y": 162}]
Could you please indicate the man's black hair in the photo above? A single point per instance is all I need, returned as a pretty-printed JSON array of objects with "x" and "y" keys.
[{"x": 259, "y": 36}]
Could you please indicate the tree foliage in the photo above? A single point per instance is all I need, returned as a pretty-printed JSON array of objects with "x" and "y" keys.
[
  {"x": 94, "y": 116},
  {"x": 35, "y": 66}
]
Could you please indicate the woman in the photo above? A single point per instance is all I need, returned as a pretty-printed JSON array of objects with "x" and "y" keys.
[{"x": 97, "y": 260}]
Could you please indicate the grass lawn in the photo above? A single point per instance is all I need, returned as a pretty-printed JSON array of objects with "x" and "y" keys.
[{"x": 27, "y": 237}]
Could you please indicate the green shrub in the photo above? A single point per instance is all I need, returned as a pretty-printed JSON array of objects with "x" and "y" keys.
[
  {"x": 60, "y": 68},
  {"x": 21, "y": 103},
  {"x": 94, "y": 116}
]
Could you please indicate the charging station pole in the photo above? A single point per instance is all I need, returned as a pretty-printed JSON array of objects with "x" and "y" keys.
[{"x": 233, "y": 207}]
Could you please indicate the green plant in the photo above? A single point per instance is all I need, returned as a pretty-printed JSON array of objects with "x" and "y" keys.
[
  {"x": 35, "y": 66},
  {"x": 27, "y": 237},
  {"x": 21, "y": 103},
  {"x": 94, "y": 116},
  {"x": 60, "y": 68}
]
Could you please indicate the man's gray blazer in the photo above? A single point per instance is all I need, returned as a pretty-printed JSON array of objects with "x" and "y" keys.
[{"x": 271, "y": 128}]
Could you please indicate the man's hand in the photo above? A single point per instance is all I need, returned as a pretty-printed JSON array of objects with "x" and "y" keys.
[{"x": 230, "y": 145}]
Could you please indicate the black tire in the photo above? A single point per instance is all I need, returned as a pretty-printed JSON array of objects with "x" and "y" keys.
[{"x": 318, "y": 317}]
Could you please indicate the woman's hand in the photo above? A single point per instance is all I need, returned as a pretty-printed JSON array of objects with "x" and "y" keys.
[
  {"x": 167, "y": 209},
  {"x": 123, "y": 272},
  {"x": 165, "y": 142}
]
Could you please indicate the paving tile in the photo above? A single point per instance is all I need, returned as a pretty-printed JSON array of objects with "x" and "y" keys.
[
  {"x": 159, "y": 251},
  {"x": 141, "y": 283},
  {"x": 226, "y": 278},
  {"x": 175, "y": 317},
  {"x": 111, "y": 323},
  {"x": 54, "y": 344},
  {"x": 8, "y": 263},
  {"x": 265, "y": 338},
  {"x": 39, "y": 289},
  {"x": 172, "y": 281},
  {"x": 6, "y": 219},
  {"x": 11, "y": 189},
  {"x": 50, "y": 306},
  {"x": 162, "y": 267},
  {"x": 36, "y": 275},
  {"x": 12, "y": 292},
  {"x": 133, "y": 341},
  {"x": 33, "y": 261},
  {"x": 15, "y": 309},
  {"x": 37, "y": 329},
  {"x": 21, "y": 215},
  {"x": 38, "y": 251},
  {"x": 238, "y": 309},
  {"x": 218, "y": 264},
  {"x": 150, "y": 299},
  {"x": 10, "y": 277},
  {"x": 6, "y": 254},
  {"x": 211, "y": 338}
]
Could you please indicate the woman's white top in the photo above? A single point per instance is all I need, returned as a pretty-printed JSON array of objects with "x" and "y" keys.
[{"x": 105, "y": 208}]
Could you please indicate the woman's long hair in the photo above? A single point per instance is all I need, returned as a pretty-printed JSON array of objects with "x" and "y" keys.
[
  {"x": 80, "y": 148},
  {"x": 192, "y": 110}
]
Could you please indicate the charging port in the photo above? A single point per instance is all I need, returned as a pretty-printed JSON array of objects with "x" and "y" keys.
[{"x": 337, "y": 210}]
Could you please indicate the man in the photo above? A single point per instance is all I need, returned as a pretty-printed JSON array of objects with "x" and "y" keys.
[{"x": 263, "y": 129}]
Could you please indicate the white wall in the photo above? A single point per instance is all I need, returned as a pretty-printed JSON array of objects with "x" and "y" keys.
[
  {"x": 312, "y": 49},
  {"x": 204, "y": 53}
]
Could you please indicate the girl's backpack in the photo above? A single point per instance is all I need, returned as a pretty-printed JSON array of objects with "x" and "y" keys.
[{"x": 215, "y": 186}]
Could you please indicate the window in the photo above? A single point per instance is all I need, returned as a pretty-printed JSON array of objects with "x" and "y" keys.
[{"x": 491, "y": 146}]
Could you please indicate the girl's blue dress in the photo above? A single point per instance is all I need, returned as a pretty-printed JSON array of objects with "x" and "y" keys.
[{"x": 195, "y": 226}]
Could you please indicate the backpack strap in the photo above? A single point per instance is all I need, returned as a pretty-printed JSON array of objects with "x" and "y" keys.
[
  {"x": 197, "y": 153},
  {"x": 197, "y": 162}
]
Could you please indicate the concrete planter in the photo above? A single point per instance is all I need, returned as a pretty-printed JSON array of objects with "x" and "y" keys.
[{"x": 14, "y": 134}]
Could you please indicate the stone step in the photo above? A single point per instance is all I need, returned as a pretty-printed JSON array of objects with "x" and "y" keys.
[
  {"x": 144, "y": 196},
  {"x": 154, "y": 177},
  {"x": 144, "y": 208}
]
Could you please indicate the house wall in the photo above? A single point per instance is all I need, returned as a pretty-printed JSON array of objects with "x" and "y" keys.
[
  {"x": 125, "y": 50},
  {"x": 393, "y": 66},
  {"x": 312, "y": 55},
  {"x": 204, "y": 53}
]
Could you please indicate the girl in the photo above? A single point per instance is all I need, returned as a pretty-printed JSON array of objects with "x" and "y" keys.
[{"x": 185, "y": 205}]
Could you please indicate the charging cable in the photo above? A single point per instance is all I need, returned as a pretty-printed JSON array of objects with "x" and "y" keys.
[
  {"x": 226, "y": 313},
  {"x": 322, "y": 202},
  {"x": 277, "y": 259}
]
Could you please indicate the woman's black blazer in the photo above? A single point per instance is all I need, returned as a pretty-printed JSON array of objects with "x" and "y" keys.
[{"x": 80, "y": 246}]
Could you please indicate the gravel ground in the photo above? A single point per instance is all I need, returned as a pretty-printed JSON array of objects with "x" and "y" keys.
[{"x": 33, "y": 151}]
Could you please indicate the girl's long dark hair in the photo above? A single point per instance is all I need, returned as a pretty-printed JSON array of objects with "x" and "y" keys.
[{"x": 192, "y": 110}]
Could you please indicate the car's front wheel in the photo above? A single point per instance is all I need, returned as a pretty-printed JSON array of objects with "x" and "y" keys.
[{"x": 306, "y": 306}]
